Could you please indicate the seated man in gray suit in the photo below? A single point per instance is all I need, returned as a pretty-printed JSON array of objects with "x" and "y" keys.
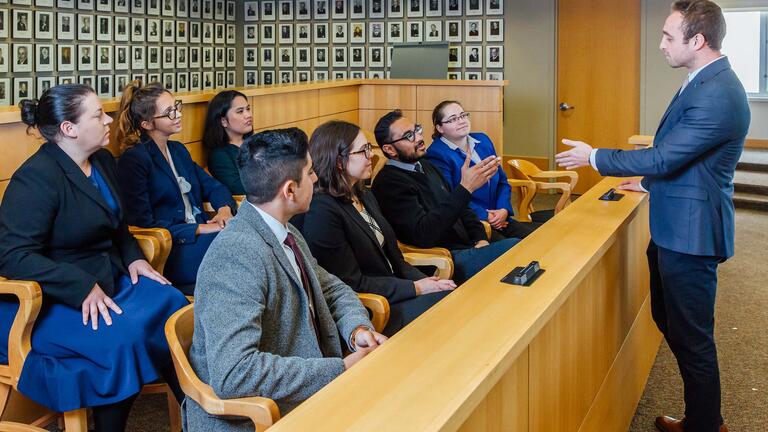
[{"x": 269, "y": 321}]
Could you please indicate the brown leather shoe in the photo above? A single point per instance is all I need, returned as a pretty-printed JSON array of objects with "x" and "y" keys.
[{"x": 669, "y": 424}]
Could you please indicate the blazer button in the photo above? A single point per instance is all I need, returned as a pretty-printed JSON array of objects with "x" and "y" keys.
[{"x": 182, "y": 241}]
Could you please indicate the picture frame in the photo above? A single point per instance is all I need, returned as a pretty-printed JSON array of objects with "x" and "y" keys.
[
  {"x": 22, "y": 24},
  {"x": 101, "y": 5},
  {"x": 494, "y": 56},
  {"x": 231, "y": 57},
  {"x": 153, "y": 7},
  {"x": 267, "y": 77},
  {"x": 121, "y": 80},
  {"x": 207, "y": 80},
  {"x": 44, "y": 25},
  {"x": 357, "y": 9},
  {"x": 375, "y": 56},
  {"x": 453, "y": 8},
  {"x": 475, "y": 76},
  {"x": 303, "y": 57},
  {"x": 104, "y": 28},
  {"x": 268, "y": 10},
  {"x": 285, "y": 11},
  {"x": 23, "y": 88},
  {"x": 65, "y": 29},
  {"x": 137, "y": 7},
  {"x": 433, "y": 8},
  {"x": 302, "y": 76},
  {"x": 44, "y": 84},
  {"x": 321, "y": 33},
  {"x": 182, "y": 82},
  {"x": 167, "y": 8},
  {"x": 394, "y": 31},
  {"x": 376, "y": 32},
  {"x": 195, "y": 78},
  {"x": 65, "y": 58},
  {"x": 104, "y": 58},
  {"x": 85, "y": 27},
  {"x": 473, "y": 7},
  {"x": 194, "y": 57},
  {"x": 357, "y": 74},
  {"x": 85, "y": 60},
  {"x": 320, "y": 56},
  {"x": 303, "y": 33},
  {"x": 357, "y": 56},
  {"x": 121, "y": 6},
  {"x": 182, "y": 57},
  {"x": 251, "y": 34},
  {"x": 415, "y": 30},
  {"x": 22, "y": 57},
  {"x": 122, "y": 29},
  {"x": 220, "y": 79},
  {"x": 85, "y": 4},
  {"x": 474, "y": 56},
  {"x": 268, "y": 57},
  {"x": 231, "y": 34},
  {"x": 250, "y": 57},
  {"x": 43, "y": 3},
  {"x": 169, "y": 81},
  {"x": 376, "y": 9},
  {"x": 138, "y": 57},
  {"x": 207, "y": 9},
  {"x": 395, "y": 9},
  {"x": 340, "y": 32},
  {"x": 473, "y": 31},
  {"x": 231, "y": 11},
  {"x": 303, "y": 9},
  {"x": 339, "y": 10},
  {"x": 250, "y": 11},
  {"x": 494, "y": 75},
  {"x": 339, "y": 56},
  {"x": 122, "y": 57},
  {"x": 267, "y": 33},
  {"x": 453, "y": 31},
  {"x": 137, "y": 29},
  {"x": 182, "y": 9},
  {"x": 66, "y": 80},
  {"x": 454, "y": 75},
  {"x": 320, "y": 10},
  {"x": 320, "y": 75},
  {"x": 494, "y": 30},
  {"x": 219, "y": 36},
  {"x": 65, "y": 3},
  {"x": 5, "y": 24},
  {"x": 220, "y": 11},
  {"x": 44, "y": 58},
  {"x": 195, "y": 11},
  {"x": 140, "y": 77},
  {"x": 105, "y": 83},
  {"x": 375, "y": 74},
  {"x": 357, "y": 32},
  {"x": 154, "y": 78},
  {"x": 207, "y": 33},
  {"x": 182, "y": 34},
  {"x": 194, "y": 32},
  {"x": 250, "y": 77},
  {"x": 494, "y": 7},
  {"x": 415, "y": 8},
  {"x": 155, "y": 30},
  {"x": 207, "y": 57},
  {"x": 286, "y": 76},
  {"x": 454, "y": 56},
  {"x": 286, "y": 33},
  {"x": 230, "y": 78},
  {"x": 286, "y": 57},
  {"x": 433, "y": 31},
  {"x": 5, "y": 57},
  {"x": 339, "y": 75},
  {"x": 168, "y": 57}
]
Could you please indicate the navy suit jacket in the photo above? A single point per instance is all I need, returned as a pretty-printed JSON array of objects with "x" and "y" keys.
[
  {"x": 151, "y": 193},
  {"x": 689, "y": 170}
]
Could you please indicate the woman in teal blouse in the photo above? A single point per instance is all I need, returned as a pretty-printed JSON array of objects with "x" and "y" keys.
[{"x": 227, "y": 123}]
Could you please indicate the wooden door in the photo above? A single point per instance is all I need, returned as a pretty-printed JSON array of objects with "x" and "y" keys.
[{"x": 598, "y": 75}]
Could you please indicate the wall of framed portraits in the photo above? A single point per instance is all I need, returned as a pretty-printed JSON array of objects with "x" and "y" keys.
[
  {"x": 185, "y": 44},
  {"x": 304, "y": 40}
]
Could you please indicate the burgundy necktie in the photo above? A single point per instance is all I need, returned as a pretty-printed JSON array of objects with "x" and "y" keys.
[{"x": 290, "y": 241}]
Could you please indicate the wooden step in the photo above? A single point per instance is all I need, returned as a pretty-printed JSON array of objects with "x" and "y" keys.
[
  {"x": 753, "y": 178},
  {"x": 753, "y": 160},
  {"x": 751, "y": 201}
]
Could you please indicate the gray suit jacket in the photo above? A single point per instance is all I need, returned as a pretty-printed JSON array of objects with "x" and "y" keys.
[{"x": 253, "y": 332}]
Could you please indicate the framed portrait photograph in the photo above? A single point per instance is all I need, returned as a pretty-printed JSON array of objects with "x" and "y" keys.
[
  {"x": 43, "y": 25},
  {"x": 494, "y": 76},
  {"x": 434, "y": 8},
  {"x": 121, "y": 6},
  {"x": 494, "y": 56},
  {"x": 475, "y": 76},
  {"x": 454, "y": 75},
  {"x": 453, "y": 31},
  {"x": 167, "y": 8},
  {"x": 250, "y": 57},
  {"x": 230, "y": 78},
  {"x": 251, "y": 34},
  {"x": 24, "y": 88},
  {"x": 195, "y": 9},
  {"x": 494, "y": 7},
  {"x": 44, "y": 55},
  {"x": 376, "y": 56},
  {"x": 339, "y": 9},
  {"x": 357, "y": 31},
  {"x": 122, "y": 55},
  {"x": 231, "y": 34},
  {"x": 395, "y": 9},
  {"x": 66, "y": 58},
  {"x": 194, "y": 32},
  {"x": 231, "y": 57},
  {"x": 44, "y": 84},
  {"x": 65, "y": 3},
  {"x": 4, "y": 23},
  {"x": 268, "y": 10},
  {"x": 303, "y": 32},
  {"x": 85, "y": 57},
  {"x": 494, "y": 29},
  {"x": 474, "y": 31},
  {"x": 268, "y": 33},
  {"x": 103, "y": 5},
  {"x": 268, "y": 57},
  {"x": 4, "y": 57},
  {"x": 103, "y": 28},
  {"x": 194, "y": 57},
  {"x": 339, "y": 74},
  {"x": 169, "y": 81},
  {"x": 320, "y": 11},
  {"x": 321, "y": 33},
  {"x": 339, "y": 33},
  {"x": 207, "y": 80},
  {"x": 286, "y": 76},
  {"x": 120, "y": 82},
  {"x": 357, "y": 57},
  {"x": 357, "y": 74},
  {"x": 220, "y": 12},
  {"x": 140, "y": 77},
  {"x": 267, "y": 77},
  {"x": 85, "y": 26},
  {"x": 303, "y": 8},
  {"x": 207, "y": 9},
  {"x": 153, "y": 7},
  {"x": 44, "y": 3},
  {"x": 168, "y": 57},
  {"x": 433, "y": 31},
  {"x": 22, "y": 24},
  {"x": 394, "y": 31},
  {"x": 137, "y": 32},
  {"x": 339, "y": 56},
  {"x": 302, "y": 76},
  {"x": 250, "y": 77},
  {"x": 376, "y": 32},
  {"x": 104, "y": 61},
  {"x": 285, "y": 11},
  {"x": 376, "y": 74},
  {"x": 207, "y": 33},
  {"x": 474, "y": 57},
  {"x": 182, "y": 8},
  {"x": 154, "y": 78},
  {"x": 182, "y": 57},
  {"x": 154, "y": 29},
  {"x": 182, "y": 82},
  {"x": 66, "y": 80},
  {"x": 85, "y": 4},
  {"x": 104, "y": 89},
  {"x": 321, "y": 56},
  {"x": 375, "y": 8},
  {"x": 121, "y": 29},
  {"x": 357, "y": 9},
  {"x": 182, "y": 33},
  {"x": 138, "y": 54},
  {"x": 320, "y": 75},
  {"x": 415, "y": 8},
  {"x": 474, "y": 7},
  {"x": 286, "y": 33},
  {"x": 453, "y": 8},
  {"x": 286, "y": 57},
  {"x": 251, "y": 11},
  {"x": 454, "y": 56},
  {"x": 219, "y": 36},
  {"x": 303, "y": 57},
  {"x": 207, "y": 57},
  {"x": 195, "y": 82},
  {"x": 22, "y": 57},
  {"x": 415, "y": 31},
  {"x": 65, "y": 26},
  {"x": 220, "y": 79},
  {"x": 168, "y": 30}
]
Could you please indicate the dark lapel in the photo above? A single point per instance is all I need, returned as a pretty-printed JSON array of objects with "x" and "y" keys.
[
  {"x": 353, "y": 214},
  {"x": 159, "y": 160},
  {"x": 76, "y": 175}
]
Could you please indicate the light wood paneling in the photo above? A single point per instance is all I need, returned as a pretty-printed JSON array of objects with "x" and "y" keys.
[
  {"x": 472, "y": 99},
  {"x": 309, "y": 125},
  {"x": 198, "y": 153},
  {"x": 756, "y": 143},
  {"x": 3, "y": 187},
  {"x": 336, "y": 100},
  {"x": 192, "y": 123},
  {"x": 271, "y": 110},
  {"x": 369, "y": 118},
  {"x": 388, "y": 97},
  {"x": 490, "y": 123},
  {"x": 16, "y": 147}
]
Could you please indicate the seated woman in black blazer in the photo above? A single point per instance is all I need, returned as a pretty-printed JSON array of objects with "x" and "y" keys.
[
  {"x": 162, "y": 186},
  {"x": 348, "y": 235},
  {"x": 227, "y": 123},
  {"x": 99, "y": 336}
]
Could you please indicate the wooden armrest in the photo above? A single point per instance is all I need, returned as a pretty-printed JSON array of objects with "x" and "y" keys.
[
  {"x": 487, "y": 228},
  {"x": 20, "y": 337},
  {"x": 573, "y": 175},
  {"x": 379, "y": 307},
  {"x": 263, "y": 412},
  {"x": 150, "y": 247},
  {"x": 564, "y": 188},
  {"x": 208, "y": 208},
  {"x": 444, "y": 265},
  {"x": 429, "y": 251},
  {"x": 161, "y": 250},
  {"x": 239, "y": 199},
  {"x": 522, "y": 183}
]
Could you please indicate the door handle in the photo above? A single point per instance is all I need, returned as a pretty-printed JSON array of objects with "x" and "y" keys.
[{"x": 565, "y": 107}]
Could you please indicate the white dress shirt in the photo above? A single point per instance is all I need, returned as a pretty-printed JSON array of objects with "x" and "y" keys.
[{"x": 281, "y": 232}]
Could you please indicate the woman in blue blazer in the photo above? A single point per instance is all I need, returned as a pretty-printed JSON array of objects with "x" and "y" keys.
[
  {"x": 99, "y": 335},
  {"x": 447, "y": 152},
  {"x": 162, "y": 186}
]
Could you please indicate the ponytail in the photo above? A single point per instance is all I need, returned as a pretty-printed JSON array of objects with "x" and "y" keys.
[{"x": 136, "y": 105}]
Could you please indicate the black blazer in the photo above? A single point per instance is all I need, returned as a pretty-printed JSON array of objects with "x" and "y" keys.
[
  {"x": 57, "y": 230},
  {"x": 343, "y": 243}
]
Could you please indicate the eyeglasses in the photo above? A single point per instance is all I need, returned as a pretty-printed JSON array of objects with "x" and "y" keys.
[
  {"x": 367, "y": 150},
  {"x": 453, "y": 118},
  {"x": 408, "y": 135},
  {"x": 173, "y": 113}
]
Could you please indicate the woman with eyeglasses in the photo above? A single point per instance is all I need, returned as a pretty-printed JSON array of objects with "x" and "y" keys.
[
  {"x": 228, "y": 122},
  {"x": 452, "y": 140},
  {"x": 162, "y": 186},
  {"x": 348, "y": 235}
]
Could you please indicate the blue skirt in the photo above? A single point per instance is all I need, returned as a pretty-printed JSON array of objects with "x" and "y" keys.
[{"x": 72, "y": 366}]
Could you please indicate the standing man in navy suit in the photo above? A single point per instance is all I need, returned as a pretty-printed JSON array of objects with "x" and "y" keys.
[{"x": 689, "y": 175}]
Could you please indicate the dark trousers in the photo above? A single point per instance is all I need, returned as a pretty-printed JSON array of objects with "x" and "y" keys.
[
  {"x": 402, "y": 313},
  {"x": 184, "y": 260},
  {"x": 514, "y": 229},
  {"x": 468, "y": 262},
  {"x": 683, "y": 289}
]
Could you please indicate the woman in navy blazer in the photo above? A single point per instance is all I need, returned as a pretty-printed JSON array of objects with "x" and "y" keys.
[
  {"x": 349, "y": 236},
  {"x": 162, "y": 186},
  {"x": 447, "y": 152}
]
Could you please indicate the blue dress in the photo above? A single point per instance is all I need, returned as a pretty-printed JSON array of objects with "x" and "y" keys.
[{"x": 71, "y": 366}]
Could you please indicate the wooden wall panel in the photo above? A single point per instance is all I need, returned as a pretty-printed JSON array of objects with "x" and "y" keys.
[
  {"x": 3, "y": 187},
  {"x": 276, "y": 109},
  {"x": 192, "y": 123},
  {"x": 198, "y": 153},
  {"x": 336, "y": 100},
  {"x": 17, "y": 146},
  {"x": 472, "y": 99},
  {"x": 388, "y": 97}
]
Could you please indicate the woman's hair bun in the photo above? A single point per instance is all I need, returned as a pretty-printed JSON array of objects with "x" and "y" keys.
[{"x": 29, "y": 111}]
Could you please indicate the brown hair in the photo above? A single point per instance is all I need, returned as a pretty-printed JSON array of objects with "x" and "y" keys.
[
  {"x": 437, "y": 116},
  {"x": 330, "y": 146},
  {"x": 136, "y": 105},
  {"x": 702, "y": 16}
]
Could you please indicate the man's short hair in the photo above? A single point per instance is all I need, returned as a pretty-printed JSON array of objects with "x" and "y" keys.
[
  {"x": 381, "y": 131},
  {"x": 269, "y": 159},
  {"x": 702, "y": 16}
]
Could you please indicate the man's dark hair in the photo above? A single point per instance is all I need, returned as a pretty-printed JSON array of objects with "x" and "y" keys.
[
  {"x": 382, "y": 132},
  {"x": 702, "y": 16},
  {"x": 269, "y": 159}
]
